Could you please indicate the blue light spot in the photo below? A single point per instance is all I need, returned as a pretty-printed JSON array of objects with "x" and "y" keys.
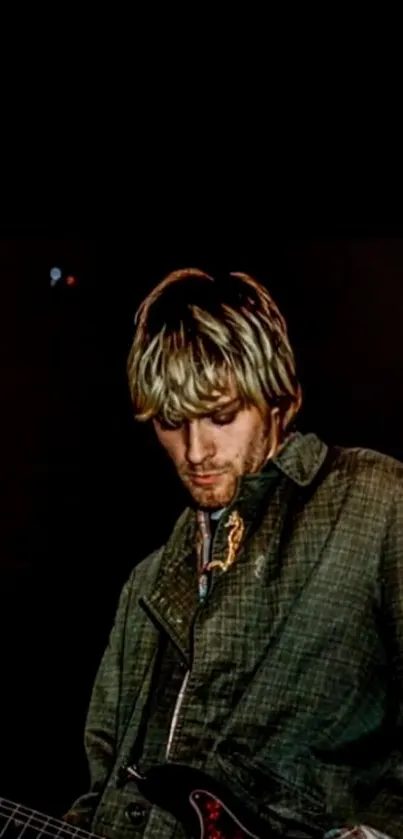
[{"x": 55, "y": 276}]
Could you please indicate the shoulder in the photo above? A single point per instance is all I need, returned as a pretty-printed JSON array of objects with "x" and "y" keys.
[
  {"x": 370, "y": 473},
  {"x": 368, "y": 464}
]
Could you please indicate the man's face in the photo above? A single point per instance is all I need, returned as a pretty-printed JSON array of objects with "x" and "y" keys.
[{"x": 211, "y": 452}]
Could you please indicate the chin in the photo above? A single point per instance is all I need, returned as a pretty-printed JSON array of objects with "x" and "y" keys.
[{"x": 211, "y": 500}]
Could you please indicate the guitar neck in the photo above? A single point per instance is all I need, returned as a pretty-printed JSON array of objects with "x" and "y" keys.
[{"x": 19, "y": 822}]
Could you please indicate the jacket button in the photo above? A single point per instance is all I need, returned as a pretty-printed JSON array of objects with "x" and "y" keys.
[{"x": 135, "y": 813}]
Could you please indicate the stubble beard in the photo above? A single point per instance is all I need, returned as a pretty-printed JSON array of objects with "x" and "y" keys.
[{"x": 223, "y": 492}]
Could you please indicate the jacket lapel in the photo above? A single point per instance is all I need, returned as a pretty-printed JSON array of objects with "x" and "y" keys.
[{"x": 173, "y": 600}]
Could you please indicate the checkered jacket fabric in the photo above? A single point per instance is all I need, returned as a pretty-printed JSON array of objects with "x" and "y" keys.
[{"x": 294, "y": 694}]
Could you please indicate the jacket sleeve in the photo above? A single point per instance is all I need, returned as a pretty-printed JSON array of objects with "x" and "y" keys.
[
  {"x": 100, "y": 732},
  {"x": 385, "y": 811}
]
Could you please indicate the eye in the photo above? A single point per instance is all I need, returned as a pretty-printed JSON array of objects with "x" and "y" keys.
[{"x": 224, "y": 419}]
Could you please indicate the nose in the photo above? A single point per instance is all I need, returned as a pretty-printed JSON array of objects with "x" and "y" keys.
[{"x": 199, "y": 444}]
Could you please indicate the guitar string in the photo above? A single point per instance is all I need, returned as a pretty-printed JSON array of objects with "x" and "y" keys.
[
  {"x": 41, "y": 829},
  {"x": 51, "y": 826},
  {"x": 11, "y": 810}
]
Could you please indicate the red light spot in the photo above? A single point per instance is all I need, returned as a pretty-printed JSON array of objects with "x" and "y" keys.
[{"x": 70, "y": 280}]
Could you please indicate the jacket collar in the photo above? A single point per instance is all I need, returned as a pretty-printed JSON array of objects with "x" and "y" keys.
[
  {"x": 174, "y": 598},
  {"x": 299, "y": 460}
]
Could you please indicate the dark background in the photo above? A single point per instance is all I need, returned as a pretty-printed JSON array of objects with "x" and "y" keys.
[{"x": 86, "y": 493}]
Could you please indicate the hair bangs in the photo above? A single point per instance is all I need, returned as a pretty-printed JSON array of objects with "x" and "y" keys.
[
  {"x": 181, "y": 378},
  {"x": 198, "y": 339}
]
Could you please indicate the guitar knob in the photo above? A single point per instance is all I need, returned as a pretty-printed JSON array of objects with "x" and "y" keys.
[{"x": 135, "y": 813}]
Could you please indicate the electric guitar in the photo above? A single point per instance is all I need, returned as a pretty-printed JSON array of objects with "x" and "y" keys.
[{"x": 206, "y": 809}]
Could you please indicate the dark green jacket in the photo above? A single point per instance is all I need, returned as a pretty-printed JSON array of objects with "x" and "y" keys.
[{"x": 295, "y": 660}]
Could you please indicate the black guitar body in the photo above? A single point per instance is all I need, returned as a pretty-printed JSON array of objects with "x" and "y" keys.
[{"x": 206, "y": 808}]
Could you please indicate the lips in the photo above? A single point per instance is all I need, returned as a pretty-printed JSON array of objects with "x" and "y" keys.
[{"x": 207, "y": 478}]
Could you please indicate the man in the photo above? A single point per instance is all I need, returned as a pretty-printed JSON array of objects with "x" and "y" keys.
[{"x": 263, "y": 643}]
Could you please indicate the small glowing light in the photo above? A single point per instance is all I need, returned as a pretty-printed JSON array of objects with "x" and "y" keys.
[
  {"x": 55, "y": 275},
  {"x": 70, "y": 280}
]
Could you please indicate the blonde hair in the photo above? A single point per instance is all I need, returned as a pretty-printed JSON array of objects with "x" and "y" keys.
[{"x": 195, "y": 335}]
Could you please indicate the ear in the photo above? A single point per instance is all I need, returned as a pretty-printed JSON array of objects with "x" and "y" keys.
[
  {"x": 275, "y": 432},
  {"x": 275, "y": 417}
]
